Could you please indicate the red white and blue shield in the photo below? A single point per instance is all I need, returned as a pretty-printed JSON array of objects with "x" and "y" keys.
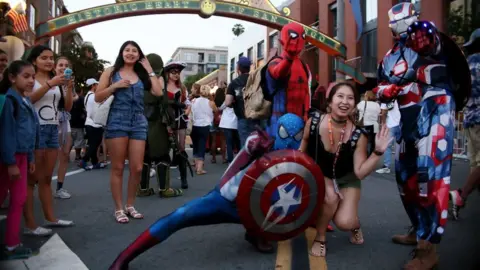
[{"x": 280, "y": 195}]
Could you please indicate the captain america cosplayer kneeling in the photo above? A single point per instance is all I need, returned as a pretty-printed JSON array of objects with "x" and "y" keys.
[
  {"x": 418, "y": 75},
  {"x": 221, "y": 204},
  {"x": 287, "y": 78}
]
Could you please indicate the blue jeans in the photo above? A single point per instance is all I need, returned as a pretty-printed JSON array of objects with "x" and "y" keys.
[
  {"x": 228, "y": 133},
  {"x": 387, "y": 156},
  {"x": 199, "y": 138},
  {"x": 247, "y": 126}
]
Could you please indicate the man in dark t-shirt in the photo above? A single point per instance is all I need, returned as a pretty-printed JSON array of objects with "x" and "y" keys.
[
  {"x": 234, "y": 98},
  {"x": 77, "y": 123}
]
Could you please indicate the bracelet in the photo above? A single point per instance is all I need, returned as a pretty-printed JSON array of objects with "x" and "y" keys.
[
  {"x": 49, "y": 86},
  {"x": 378, "y": 153}
]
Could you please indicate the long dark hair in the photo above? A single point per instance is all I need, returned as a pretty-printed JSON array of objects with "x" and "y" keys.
[
  {"x": 138, "y": 68},
  {"x": 219, "y": 97},
  {"x": 356, "y": 96},
  {"x": 15, "y": 68},
  {"x": 35, "y": 53}
]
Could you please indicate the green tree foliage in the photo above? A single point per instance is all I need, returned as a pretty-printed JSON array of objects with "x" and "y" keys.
[
  {"x": 461, "y": 24},
  {"x": 238, "y": 29},
  {"x": 82, "y": 66},
  {"x": 190, "y": 80}
]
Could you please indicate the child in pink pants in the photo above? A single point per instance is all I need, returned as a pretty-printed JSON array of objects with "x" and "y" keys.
[{"x": 18, "y": 137}]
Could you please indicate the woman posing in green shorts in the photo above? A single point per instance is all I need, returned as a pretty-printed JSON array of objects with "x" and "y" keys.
[{"x": 340, "y": 149}]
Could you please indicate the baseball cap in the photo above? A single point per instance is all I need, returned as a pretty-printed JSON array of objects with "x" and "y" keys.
[
  {"x": 244, "y": 62},
  {"x": 474, "y": 36},
  {"x": 91, "y": 82}
]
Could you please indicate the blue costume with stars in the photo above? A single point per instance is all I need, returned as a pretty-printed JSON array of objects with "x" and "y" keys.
[{"x": 219, "y": 205}]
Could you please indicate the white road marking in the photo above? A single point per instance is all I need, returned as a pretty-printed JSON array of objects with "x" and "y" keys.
[{"x": 54, "y": 255}]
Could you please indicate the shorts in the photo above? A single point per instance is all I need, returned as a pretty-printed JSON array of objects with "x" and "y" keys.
[
  {"x": 134, "y": 127},
  {"x": 78, "y": 138},
  {"x": 473, "y": 145},
  {"x": 48, "y": 137},
  {"x": 349, "y": 181}
]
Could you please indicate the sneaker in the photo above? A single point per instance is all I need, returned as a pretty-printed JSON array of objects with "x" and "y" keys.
[
  {"x": 457, "y": 203},
  {"x": 39, "y": 231},
  {"x": 62, "y": 194},
  {"x": 383, "y": 170},
  {"x": 152, "y": 173},
  {"x": 83, "y": 165},
  {"x": 18, "y": 253},
  {"x": 98, "y": 166},
  {"x": 59, "y": 223}
]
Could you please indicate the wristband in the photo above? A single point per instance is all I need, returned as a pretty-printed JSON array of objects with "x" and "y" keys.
[{"x": 378, "y": 153}]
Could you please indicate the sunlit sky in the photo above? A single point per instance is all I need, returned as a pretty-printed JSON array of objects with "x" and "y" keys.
[{"x": 160, "y": 34}]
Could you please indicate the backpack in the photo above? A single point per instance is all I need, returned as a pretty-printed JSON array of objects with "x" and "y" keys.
[
  {"x": 3, "y": 99},
  {"x": 257, "y": 100}
]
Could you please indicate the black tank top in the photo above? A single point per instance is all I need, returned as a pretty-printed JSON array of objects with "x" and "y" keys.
[{"x": 324, "y": 159}]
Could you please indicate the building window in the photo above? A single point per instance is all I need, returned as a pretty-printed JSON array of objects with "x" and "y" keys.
[
  {"x": 57, "y": 46},
  {"x": 240, "y": 55},
  {"x": 250, "y": 53},
  {"x": 188, "y": 56},
  {"x": 274, "y": 41},
  {"x": 232, "y": 65},
  {"x": 333, "y": 13},
  {"x": 32, "y": 17},
  {"x": 59, "y": 13},
  {"x": 201, "y": 57},
  {"x": 52, "y": 43},
  {"x": 212, "y": 58},
  {"x": 261, "y": 49},
  {"x": 371, "y": 12},
  {"x": 52, "y": 9},
  {"x": 189, "y": 67},
  {"x": 223, "y": 58},
  {"x": 369, "y": 52},
  {"x": 333, "y": 73}
]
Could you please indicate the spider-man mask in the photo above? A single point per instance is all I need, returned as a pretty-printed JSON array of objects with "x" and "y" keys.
[
  {"x": 292, "y": 38},
  {"x": 422, "y": 37}
]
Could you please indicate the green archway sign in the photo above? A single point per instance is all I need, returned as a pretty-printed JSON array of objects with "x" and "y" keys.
[{"x": 247, "y": 10}]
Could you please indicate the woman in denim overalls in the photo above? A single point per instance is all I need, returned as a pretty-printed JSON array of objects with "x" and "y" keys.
[{"x": 126, "y": 129}]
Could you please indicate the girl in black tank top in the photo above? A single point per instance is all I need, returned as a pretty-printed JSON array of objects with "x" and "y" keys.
[{"x": 340, "y": 149}]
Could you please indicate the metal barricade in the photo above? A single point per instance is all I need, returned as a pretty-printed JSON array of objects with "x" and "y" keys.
[{"x": 460, "y": 141}]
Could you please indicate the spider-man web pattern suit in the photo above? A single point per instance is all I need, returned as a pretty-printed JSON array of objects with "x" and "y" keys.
[
  {"x": 219, "y": 205},
  {"x": 289, "y": 78},
  {"x": 415, "y": 74}
]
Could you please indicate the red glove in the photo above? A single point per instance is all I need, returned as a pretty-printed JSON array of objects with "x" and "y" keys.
[
  {"x": 258, "y": 143},
  {"x": 390, "y": 92}
]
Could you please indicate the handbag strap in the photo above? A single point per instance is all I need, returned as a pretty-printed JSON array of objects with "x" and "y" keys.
[{"x": 364, "y": 109}]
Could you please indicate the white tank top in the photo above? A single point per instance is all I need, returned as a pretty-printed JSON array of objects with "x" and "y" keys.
[
  {"x": 202, "y": 112},
  {"x": 47, "y": 106}
]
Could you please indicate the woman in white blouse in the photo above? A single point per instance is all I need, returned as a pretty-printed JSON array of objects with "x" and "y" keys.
[
  {"x": 202, "y": 112},
  {"x": 369, "y": 111}
]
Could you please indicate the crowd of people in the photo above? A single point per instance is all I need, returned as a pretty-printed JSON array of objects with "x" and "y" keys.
[{"x": 151, "y": 113}]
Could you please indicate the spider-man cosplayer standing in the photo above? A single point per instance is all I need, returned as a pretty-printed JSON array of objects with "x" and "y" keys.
[
  {"x": 417, "y": 73},
  {"x": 222, "y": 205},
  {"x": 287, "y": 78}
]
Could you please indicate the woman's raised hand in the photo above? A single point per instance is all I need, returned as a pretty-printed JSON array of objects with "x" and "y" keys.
[{"x": 383, "y": 139}]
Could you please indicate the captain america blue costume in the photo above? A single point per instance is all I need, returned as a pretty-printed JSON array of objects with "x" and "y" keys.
[
  {"x": 219, "y": 205},
  {"x": 415, "y": 73}
]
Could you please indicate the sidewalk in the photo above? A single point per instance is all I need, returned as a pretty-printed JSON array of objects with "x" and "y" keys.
[{"x": 54, "y": 255}]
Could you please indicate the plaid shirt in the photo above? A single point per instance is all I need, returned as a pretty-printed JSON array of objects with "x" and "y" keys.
[{"x": 472, "y": 109}]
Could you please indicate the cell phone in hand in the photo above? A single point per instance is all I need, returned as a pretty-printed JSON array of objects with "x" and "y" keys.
[{"x": 68, "y": 73}]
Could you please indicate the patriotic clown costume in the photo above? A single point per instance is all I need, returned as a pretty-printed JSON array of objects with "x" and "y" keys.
[
  {"x": 416, "y": 73},
  {"x": 224, "y": 203}
]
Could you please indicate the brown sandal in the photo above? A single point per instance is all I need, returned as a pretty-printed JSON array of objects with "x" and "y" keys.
[
  {"x": 357, "y": 237},
  {"x": 323, "y": 248}
]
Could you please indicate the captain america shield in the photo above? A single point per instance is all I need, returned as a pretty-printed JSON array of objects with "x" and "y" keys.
[{"x": 280, "y": 195}]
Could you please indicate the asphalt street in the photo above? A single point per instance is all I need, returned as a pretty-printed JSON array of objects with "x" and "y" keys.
[{"x": 97, "y": 238}]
